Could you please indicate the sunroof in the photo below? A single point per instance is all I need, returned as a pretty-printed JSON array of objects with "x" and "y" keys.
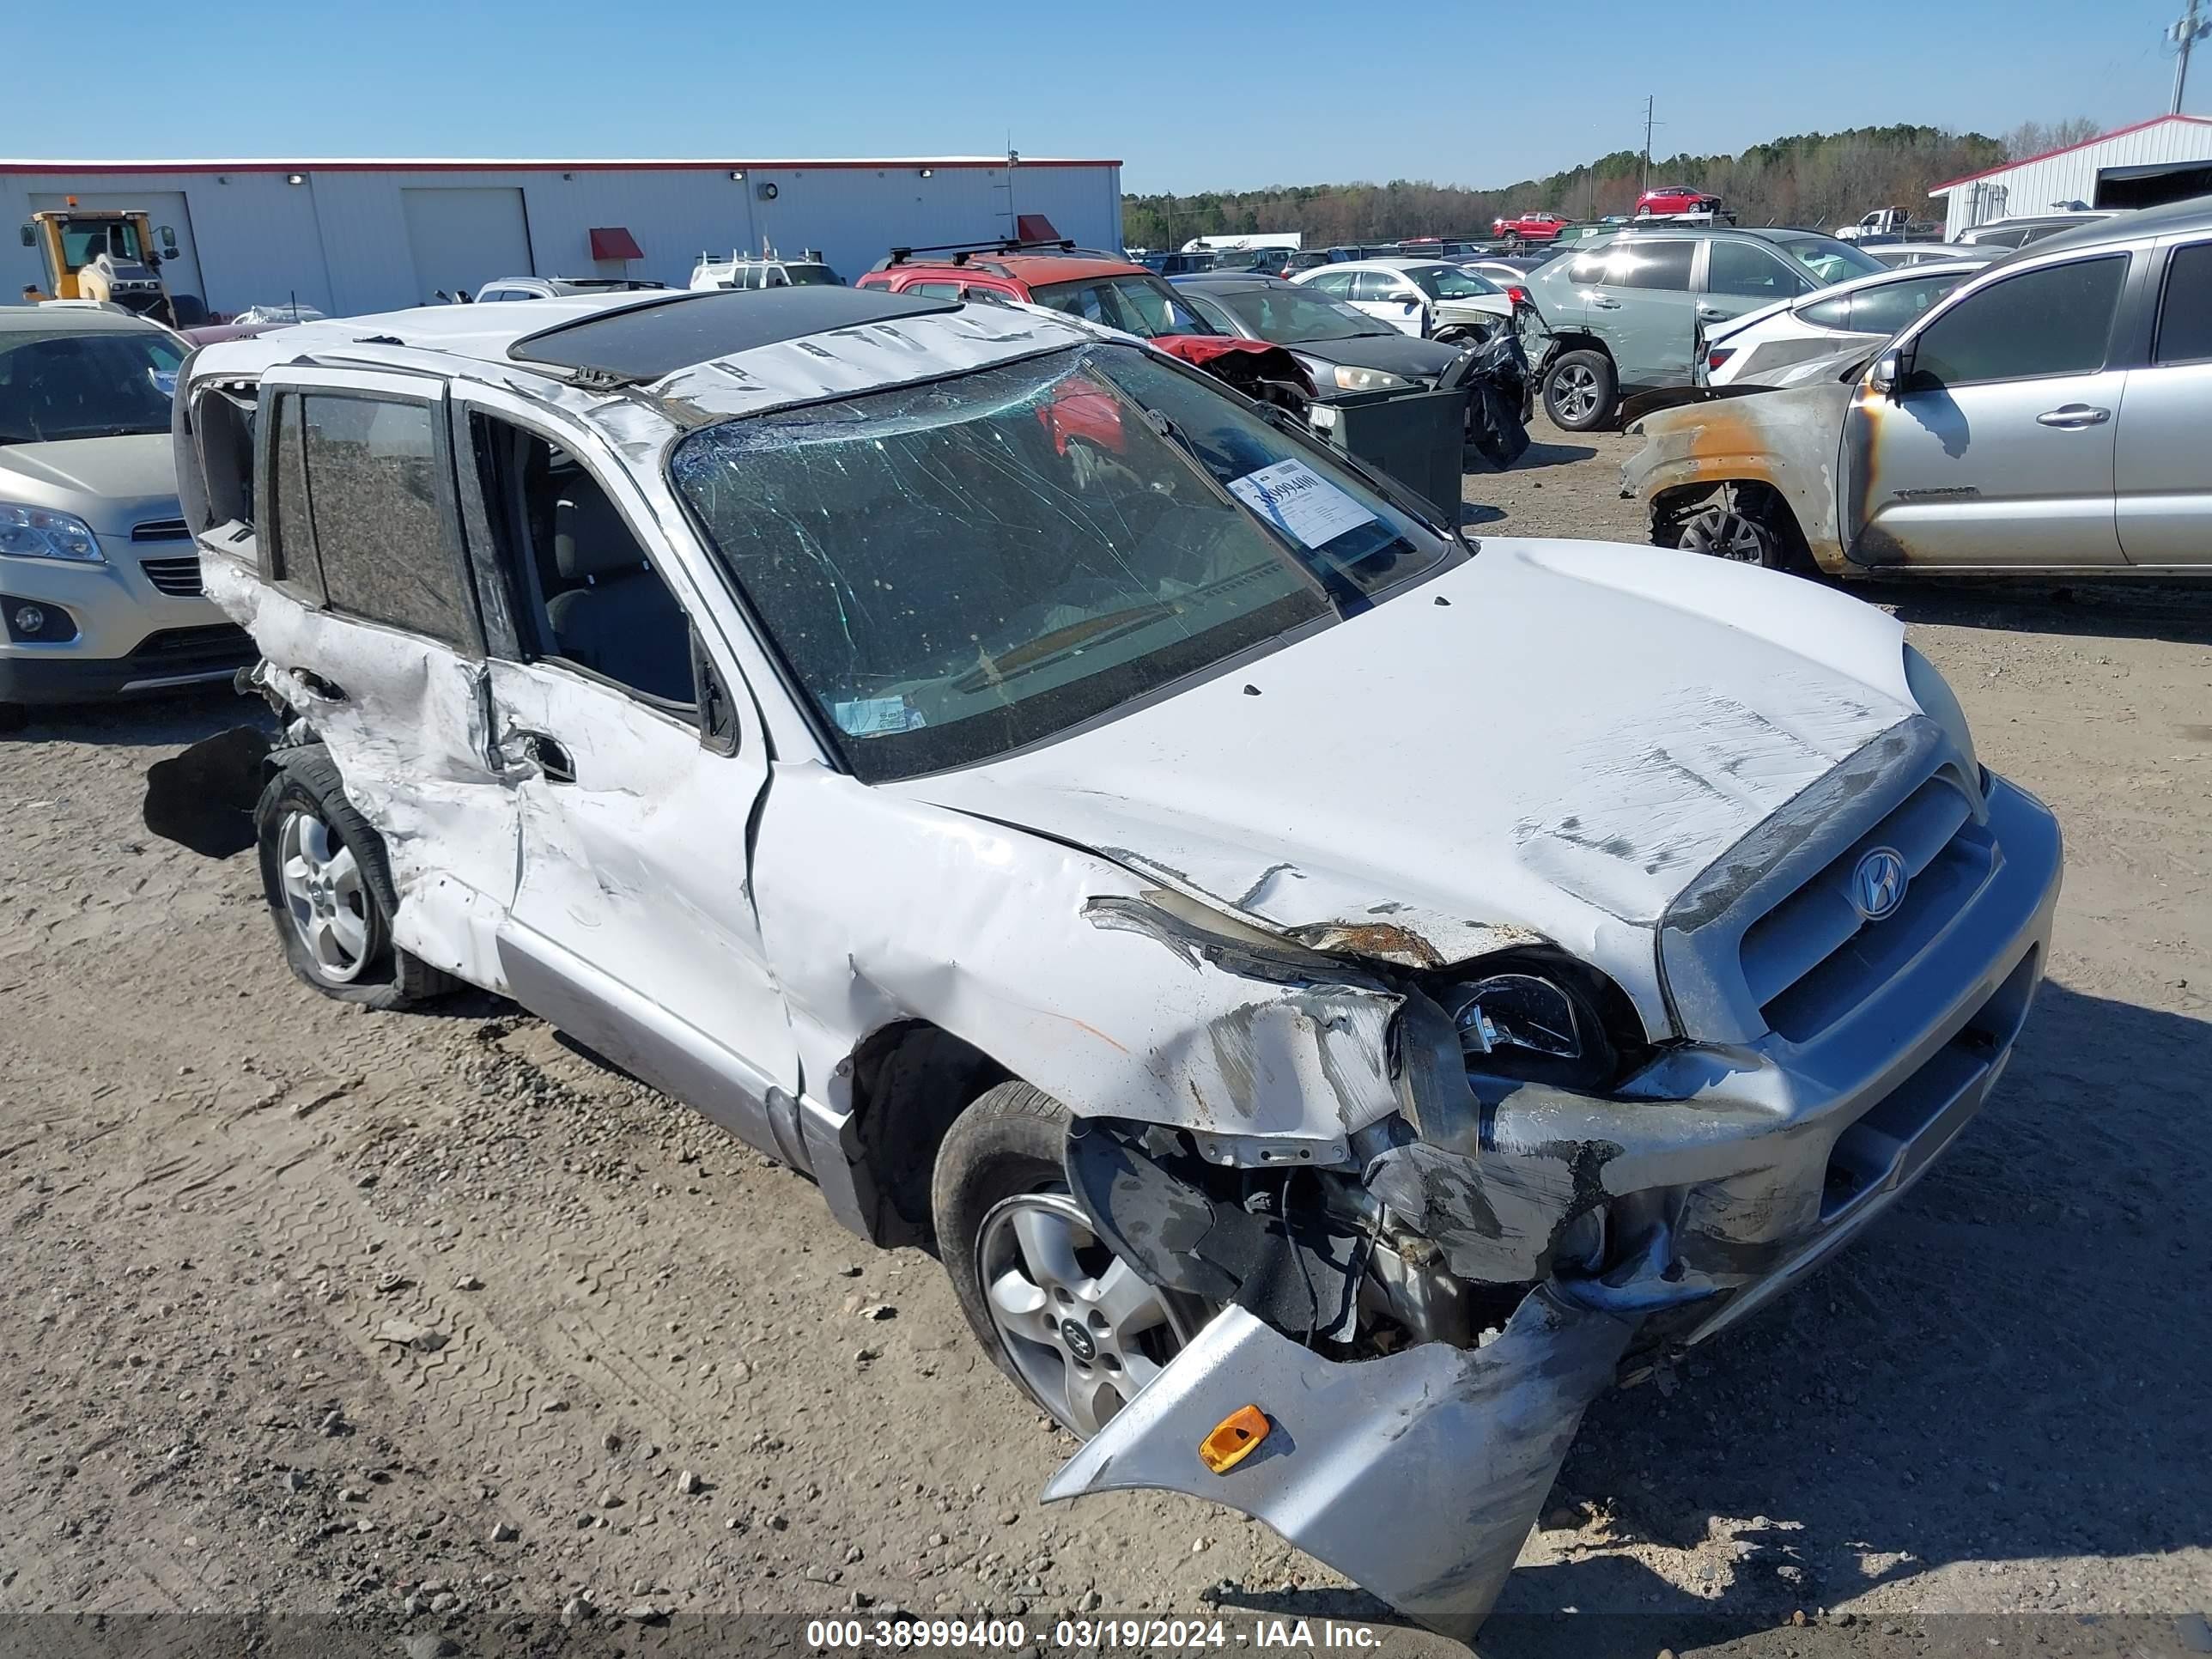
[{"x": 670, "y": 332}]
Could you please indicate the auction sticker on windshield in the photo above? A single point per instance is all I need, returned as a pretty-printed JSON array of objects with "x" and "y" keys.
[{"x": 1299, "y": 501}]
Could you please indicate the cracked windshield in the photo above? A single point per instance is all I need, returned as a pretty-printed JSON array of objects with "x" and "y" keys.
[{"x": 957, "y": 569}]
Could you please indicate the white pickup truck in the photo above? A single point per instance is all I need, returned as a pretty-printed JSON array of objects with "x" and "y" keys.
[{"x": 1890, "y": 224}]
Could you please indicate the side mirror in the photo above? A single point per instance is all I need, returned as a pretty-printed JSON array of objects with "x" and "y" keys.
[
  {"x": 30, "y": 237},
  {"x": 1887, "y": 375},
  {"x": 169, "y": 240},
  {"x": 1411, "y": 305}
]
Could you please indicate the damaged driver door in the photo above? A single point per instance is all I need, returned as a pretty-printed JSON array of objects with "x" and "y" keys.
[{"x": 636, "y": 773}]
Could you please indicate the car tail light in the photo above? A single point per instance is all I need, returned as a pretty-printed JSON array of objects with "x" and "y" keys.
[
  {"x": 1518, "y": 296},
  {"x": 1718, "y": 356}
]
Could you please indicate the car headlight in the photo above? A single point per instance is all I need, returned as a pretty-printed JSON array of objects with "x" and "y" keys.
[
  {"x": 1350, "y": 379},
  {"x": 1533, "y": 1027},
  {"x": 37, "y": 532},
  {"x": 1940, "y": 704}
]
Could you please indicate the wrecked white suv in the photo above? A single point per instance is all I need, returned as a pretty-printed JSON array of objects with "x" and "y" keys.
[{"x": 1282, "y": 954}]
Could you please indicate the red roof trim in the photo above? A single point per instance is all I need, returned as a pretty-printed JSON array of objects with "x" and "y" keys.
[
  {"x": 985, "y": 162},
  {"x": 2117, "y": 133}
]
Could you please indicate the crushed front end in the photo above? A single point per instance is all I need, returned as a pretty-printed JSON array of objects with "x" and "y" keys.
[{"x": 1421, "y": 1309}]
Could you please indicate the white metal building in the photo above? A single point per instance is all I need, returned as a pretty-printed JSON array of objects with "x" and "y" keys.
[
  {"x": 353, "y": 236},
  {"x": 2153, "y": 161}
]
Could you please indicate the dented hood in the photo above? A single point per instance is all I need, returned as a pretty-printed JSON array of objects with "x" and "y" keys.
[{"x": 1548, "y": 742}]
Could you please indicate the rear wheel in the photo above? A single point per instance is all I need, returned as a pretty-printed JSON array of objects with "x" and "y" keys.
[
  {"x": 1580, "y": 391},
  {"x": 1071, "y": 1323},
  {"x": 329, "y": 893}
]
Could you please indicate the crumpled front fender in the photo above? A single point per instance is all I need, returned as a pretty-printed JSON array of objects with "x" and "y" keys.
[{"x": 1417, "y": 1475}]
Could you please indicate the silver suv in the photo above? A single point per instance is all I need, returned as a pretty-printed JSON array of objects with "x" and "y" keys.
[
  {"x": 1623, "y": 318},
  {"x": 99, "y": 583},
  {"x": 988, "y": 766}
]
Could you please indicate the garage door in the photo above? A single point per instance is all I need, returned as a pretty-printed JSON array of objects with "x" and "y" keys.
[
  {"x": 463, "y": 239},
  {"x": 164, "y": 208}
]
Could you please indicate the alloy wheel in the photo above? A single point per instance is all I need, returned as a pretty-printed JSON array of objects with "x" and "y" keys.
[
  {"x": 1084, "y": 1331},
  {"x": 323, "y": 897}
]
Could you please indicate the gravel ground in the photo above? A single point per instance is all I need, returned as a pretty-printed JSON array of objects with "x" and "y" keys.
[{"x": 411, "y": 1319}]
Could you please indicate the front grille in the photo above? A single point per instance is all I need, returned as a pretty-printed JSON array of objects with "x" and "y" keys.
[
  {"x": 160, "y": 530},
  {"x": 178, "y": 578},
  {"x": 216, "y": 644},
  {"x": 1812, "y": 958}
]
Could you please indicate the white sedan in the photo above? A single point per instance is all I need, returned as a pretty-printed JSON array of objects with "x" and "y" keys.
[
  {"x": 1758, "y": 347},
  {"x": 1429, "y": 299}
]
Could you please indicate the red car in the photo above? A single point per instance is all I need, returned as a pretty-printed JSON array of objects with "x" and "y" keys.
[
  {"x": 1530, "y": 226},
  {"x": 1095, "y": 286},
  {"x": 1675, "y": 199}
]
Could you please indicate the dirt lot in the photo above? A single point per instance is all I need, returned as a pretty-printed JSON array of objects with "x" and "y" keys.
[{"x": 668, "y": 1380}]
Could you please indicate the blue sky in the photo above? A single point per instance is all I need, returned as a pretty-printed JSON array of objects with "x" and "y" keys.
[{"x": 1460, "y": 91}]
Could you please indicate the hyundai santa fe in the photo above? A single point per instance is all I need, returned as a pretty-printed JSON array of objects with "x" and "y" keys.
[{"x": 1335, "y": 995}]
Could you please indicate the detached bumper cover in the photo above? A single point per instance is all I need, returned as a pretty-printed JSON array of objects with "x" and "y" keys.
[{"x": 1418, "y": 1475}]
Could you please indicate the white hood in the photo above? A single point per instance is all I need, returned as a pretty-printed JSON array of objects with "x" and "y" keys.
[{"x": 1548, "y": 743}]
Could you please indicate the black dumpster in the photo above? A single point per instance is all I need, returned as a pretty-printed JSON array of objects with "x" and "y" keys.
[{"x": 1418, "y": 438}]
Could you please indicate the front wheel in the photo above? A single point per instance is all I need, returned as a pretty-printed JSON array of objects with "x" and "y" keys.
[
  {"x": 1580, "y": 391},
  {"x": 1071, "y": 1323}
]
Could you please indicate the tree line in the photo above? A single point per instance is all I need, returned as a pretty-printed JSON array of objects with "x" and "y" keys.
[{"x": 1814, "y": 178}]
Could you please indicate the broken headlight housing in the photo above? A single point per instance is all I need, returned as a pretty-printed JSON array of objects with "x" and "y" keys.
[{"x": 1528, "y": 1023}]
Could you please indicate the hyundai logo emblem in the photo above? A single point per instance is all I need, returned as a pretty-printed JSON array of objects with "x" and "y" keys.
[{"x": 1878, "y": 884}]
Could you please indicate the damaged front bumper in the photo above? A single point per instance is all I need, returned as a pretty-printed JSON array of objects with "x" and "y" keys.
[{"x": 1724, "y": 1174}]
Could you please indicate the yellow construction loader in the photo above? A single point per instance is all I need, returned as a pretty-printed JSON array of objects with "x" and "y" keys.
[{"x": 108, "y": 254}]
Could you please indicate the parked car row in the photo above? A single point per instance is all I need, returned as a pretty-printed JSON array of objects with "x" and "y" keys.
[{"x": 2043, "y": 413}]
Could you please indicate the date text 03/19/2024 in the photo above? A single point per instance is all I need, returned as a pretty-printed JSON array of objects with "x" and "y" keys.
[{"x": 1089, "y": 1634}]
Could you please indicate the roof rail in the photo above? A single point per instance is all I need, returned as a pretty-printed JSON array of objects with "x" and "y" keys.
[{"x": 960, "y": 252}]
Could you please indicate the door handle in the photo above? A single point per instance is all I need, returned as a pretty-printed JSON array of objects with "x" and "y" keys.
[
  {"x": 1712, "y": 315},
  {"x": 2071, "y": 415},
  {"x": 317, "y": 688},
  {"x": 1598, "y": 302},
  {"x": 522, "y": 749}
]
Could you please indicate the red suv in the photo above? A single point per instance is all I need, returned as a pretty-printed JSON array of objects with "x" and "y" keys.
[
  {"x": 1096, "y": 287},
  {"x": 1675, "y": 199},
  {"x": 1530, "y": 226}
]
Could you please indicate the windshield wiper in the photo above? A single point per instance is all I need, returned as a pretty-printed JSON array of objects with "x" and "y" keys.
[{"x": 1061, "y": 642}]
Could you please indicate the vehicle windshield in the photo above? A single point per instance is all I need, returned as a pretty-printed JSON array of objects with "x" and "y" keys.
[
  {"x": 1141, "y": 304},
  {"x": 1830, "y": 260},
  {"x": 1451, "y": 282},
  {"x": 1289, "y": 316},
  {"x": 85, "y": 384},
  {"x": 85, "y": 240},
  {"x": 956, "y": 569}
]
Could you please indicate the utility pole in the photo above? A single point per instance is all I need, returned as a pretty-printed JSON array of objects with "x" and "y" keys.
[
  {"x": 1649, "y": 124},
  {"x": 2186, "y": 34}
]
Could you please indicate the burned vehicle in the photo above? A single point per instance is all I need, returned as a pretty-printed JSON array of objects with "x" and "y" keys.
[
  {"x": 1022, "y": 785},
  {"x": 2045, "y": 416}
]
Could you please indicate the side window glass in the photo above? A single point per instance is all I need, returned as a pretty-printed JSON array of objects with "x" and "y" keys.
[
  {"x": 1337, "y": 284},
  {"x": 1892, "y": 305},
  {"x": 1649, "y": 266},
  {"x": 292, "y": 561},
  {"x": 2184, "y": 310},
  {"x": 584, "y": 591},
  {"x": 2053, "y": 321},
  {"x": 935, "y": 290},
  {"x": 380, "y": 523},
  {"x": 1828, "y": 313},
  {"x": 1747, "y": 272}
]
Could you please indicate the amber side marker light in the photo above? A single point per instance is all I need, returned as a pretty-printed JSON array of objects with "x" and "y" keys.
[{"x": 1233, "y": 1439}]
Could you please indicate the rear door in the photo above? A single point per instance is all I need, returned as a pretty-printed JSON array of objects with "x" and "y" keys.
[
  {"x": 373, "y": 620},
  {"x": 1998, "y": 450},
  {"x": 2163, "y": 462},
  {"x": 1643, "y": 305},
  {"x": 1389, "y": 298}
]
